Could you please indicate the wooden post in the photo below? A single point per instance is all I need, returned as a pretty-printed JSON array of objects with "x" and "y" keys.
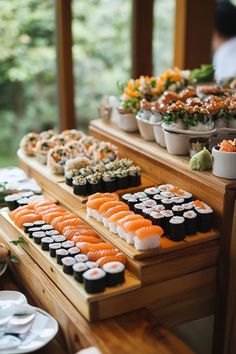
[
  {"x": 65, "y": 64},
  {"x": 142, "y": 30},
  {"x": 194, "y": 22}
]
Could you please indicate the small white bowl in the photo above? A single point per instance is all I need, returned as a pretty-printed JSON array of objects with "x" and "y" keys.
[
  {"x": 145, "y": 129},
  {"x": 159, "y": 134},
  {"x": 177, "y": 144},
  {"x": 224, "y": 164},
  {"x": 127, "y": 122}
]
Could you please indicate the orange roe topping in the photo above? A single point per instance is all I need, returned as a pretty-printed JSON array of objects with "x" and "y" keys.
[{"x": 199, "y": 204}]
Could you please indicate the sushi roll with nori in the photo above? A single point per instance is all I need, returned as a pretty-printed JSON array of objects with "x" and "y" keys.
[
  {"x": 190, "y": 222},
  {"x": 157, "y": 198},
  {"x": 26, "y": 194},
  {"x": 158, "y": 208},
  {"x": 147, "y": 213},
  {"x": 188, "y": 206},
  {"x": 73, "y": 251},
  {"x": 67, "y": 245},
  {"x": 177, "y": 228},
  {"x": 187, "y": 197},
  {"x": 29, "y": 142},
  {"x": 68, "y": 263},
  {"x": 150, "y": 203},
  {"x": 123, "y": 180},
  {"x": 59, "y": 238},
  {"x": 157, "y": 218},
  {"x": 70, "y": 174},
  {"x": 204, "y": 222},
  {"x": 167, "y": 203},
  {"x": 60, "y": 254},
  {"x": 38, "y": 236},
  {"x": 151, "y": 191},
  {"x": 134, "y": 176},
  {"x": 27, "y": 226},
  {"x": 140, "y": 195},
  {"x": 131, "y": 202},
  {"x": 168, "y": 214},
  {"x": 178, "y": 210},
  {"x": 80, "y": 185},
  {"x": 53, "y": 247},
  {"x": 94, "y": 183},
  {"x": 81, "y": 258},
  {"x": 125, "y": 197},
  {"x": 165, "y": 187},
  {"x": 91, "y": 265},
  {"x": 45, "y": 242},
  {"x": 39, "y": 223},
  {"x": 167, "y": 194},
  {"x": 78, "y": 270},
  {"x": 138, "y": 208},
  {"x": 11, "y": 201},
  {"x": 47, "y": 227},
  {"x": 110, "y": 181},
  {"x": 22, "y": 202},
  {"x": 115, "y": 273},
  {"x": 31, "y": 230},
  {"x": 178, "y": 200},
  {"x": 94, "y": 280},
  {"x": 51, "y": 233}
]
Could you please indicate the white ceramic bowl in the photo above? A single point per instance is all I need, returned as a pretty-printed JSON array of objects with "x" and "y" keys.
[
  {"x": 177, "y": 144},
  {"x": 127, "y": 122},
  {"x": 159, "y": 134},
  {"x": 224, "y": 164},
  {"x": 145, "y": 129}
]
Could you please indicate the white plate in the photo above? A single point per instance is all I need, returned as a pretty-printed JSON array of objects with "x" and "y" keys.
[
  {"x": 8, "y": 297},
  {"x": 188, "y": 132},
  {"x": 43, "y": 337}
]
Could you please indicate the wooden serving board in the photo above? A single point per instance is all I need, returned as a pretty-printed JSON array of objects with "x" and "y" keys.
[
  {"x": 57, "y": 184},
  {"x": 86, "y": 303},
  {"x": 165, "y": 247}
]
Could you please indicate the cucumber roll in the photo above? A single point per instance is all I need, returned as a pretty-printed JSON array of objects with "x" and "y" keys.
[
  {"x": 94, "y": 280},
  {"x": 190, "y": 222},
  {"x": 68, "y": 263},
  {"x": 80, "y": 185},
  {"x": 115, "y": 273},
  {"x": 177, "y": 228},
  {"x": 78, "y": 270}
]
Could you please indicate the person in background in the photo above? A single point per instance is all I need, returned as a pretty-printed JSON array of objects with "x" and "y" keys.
[{"x": 224, "y": 41}]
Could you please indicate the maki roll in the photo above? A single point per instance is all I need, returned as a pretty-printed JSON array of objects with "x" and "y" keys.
[
  {"x": 59, "y": 140},
  {"x": 115, "y": 273},
  {"x": 187, "y": 197},
  {"x": 81, "y": 258},
  {"x": 12, "y": 201},
  {"x": 110, "y": 181},
  {"x": 60, "y": 254},
  {"x": 73, "y": 251},
  {"x": 53, "y": 247},
  {"x": 39, "y": 223},
  {"x": 158, "y": 198},
  {"x": 74, "y": 134},
  {"x": 140, "y": 195},
  {"x": 150, "y": 203},
  {"x": 75, "y": 148},
  {"x": 94, "y": 280},
  {"x": 167, "y": 194},
  {"x": 68, "y": 263},
  {"x": 78, "y": 270},
  {"x": 29, "y": 142},
  {"x": 27, "y": 226},
  {"x": 95, "y": 183},
  {"x": 45, "y": 242},
  {"x": 80, "y": 185},
  {"x": 165, "y": 187},
  {"x": 204, "y": 219},
  {"x": 157, "y": 218},
  {"x": 105, "y": 152},
  {"x": 167, "y": 203},
  {"x": 67, "y": 244},
  {"x": 59, "y": 238},
  {"x": 51, "y": 233},
  {"x": 22, "y": 202},
  {"x": 178, "y": 200},
  {"x": 138, "y": 208},
  {"x": 158, "y": 208},
  {"x": 91, "y": 265},
  {"x": 188, "y": 206},
  {"x": 38, "y": 236},
  {"x": 151, "y": 192},
  {"x": 131, "y": 202},
  {"x": 147, "y": 212},
  {"x": 27, "y": 194},
  {"x": 31, "y": 230},
  {"x": 190, "y": 222},
  {"x": 42, "y": 148},
  {"x": 123, "y": 180},
  {"x": 57, "y": 158},
  {"x": 125, "y": 197},
  {"x": 178, "y": 210},
  {"x": 134, "y": 176},
  {"x": 168, "y": 214},
  {"x": 69, "y": 175},
  {"x": 47, "y": 227},
  {"x": 177, "y": 228},
  {"x": 47, "y": 134}
]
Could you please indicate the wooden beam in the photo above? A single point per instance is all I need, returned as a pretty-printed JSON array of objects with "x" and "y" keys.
[
  {"x": 194, "y": 22},
  {"x": 65, "y": 64},
  {"x": 142, "y": 31}
]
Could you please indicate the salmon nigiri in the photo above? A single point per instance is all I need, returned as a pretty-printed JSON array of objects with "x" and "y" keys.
[
  {"x": 148, "y": 237},
  {"x": 119, "y": 257},
  {"x": 95, "y": 255},
  {"x": 112, "y": 196},
  {"x": 108, "y": 205},
  {"x": 94, "y": 204},
  {"x": 27, "y": 218},
  {"x": 71, "y": 222},
  {"x": 121, "y": 222},
  {"x": 87, "y": 239},
  {"x": 130, "y": 227},
  {"x": 64, "y": 217},
  {"x": 81, "y": 233},
  {"x": 113, "y": 220},
  {"x": 87, "y": 247}
]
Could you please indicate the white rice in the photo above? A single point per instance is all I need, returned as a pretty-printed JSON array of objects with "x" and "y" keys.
[
  {"x": 89, "y": 274},
  {"x": 147, "y": 243},
  {"x": 114, "y": 267}
]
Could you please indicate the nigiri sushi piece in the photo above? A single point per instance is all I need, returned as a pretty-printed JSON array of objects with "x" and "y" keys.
[
  {"x": 87, "y": 239},
  {"x": 130, "y": 227},
  {"x": 71, "y": 222},
  {"x": 94, "y": 205},
  {"x": 148, "y": 237},
  {"x": 108, "y": 205},
  {"x": 27, "y": 218},
  {"x": 112, "y": 211},
  {"x": 95, "y": 255},
  {"x": 119, "y": 229},
  {"x": 113, "y": 220},
  {"x": 50, "y": 216},
  {"x": 119, "y": 257},
  {"x": 88, "y": 247},
  {"x": 112, "y": 196},
  {"x": 65, "y": 217}
]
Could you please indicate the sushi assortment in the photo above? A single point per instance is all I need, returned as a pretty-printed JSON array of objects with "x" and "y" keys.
[
  {"x": 102, "y": 177},
  {"x": 56, "y": 149},
  {"x": 118, "y": 218},
  {"x": 19, "y": 199},
  {"x": 171, "y": 208},
  {"x": 74, "y": 245}
]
